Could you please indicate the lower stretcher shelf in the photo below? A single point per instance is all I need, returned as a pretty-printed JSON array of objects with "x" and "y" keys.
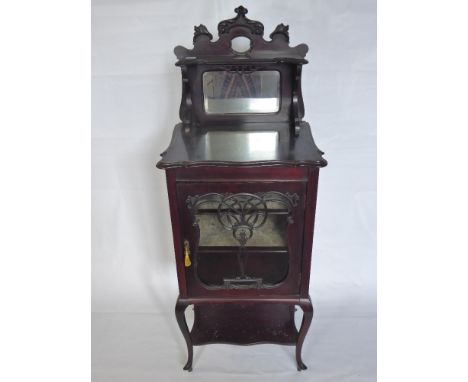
[{"x": 244, "y": 323}]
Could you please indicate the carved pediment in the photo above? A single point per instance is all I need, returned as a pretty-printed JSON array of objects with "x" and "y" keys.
[{"x": 276, "y": 49}]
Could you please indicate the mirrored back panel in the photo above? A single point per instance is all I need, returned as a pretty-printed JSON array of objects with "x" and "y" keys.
[{"x": 233, "y": 92}]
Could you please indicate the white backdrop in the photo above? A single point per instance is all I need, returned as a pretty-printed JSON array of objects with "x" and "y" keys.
[{"x": 135, "y": 98}]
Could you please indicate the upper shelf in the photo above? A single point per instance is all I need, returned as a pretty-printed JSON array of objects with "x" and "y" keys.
[{"x": 242, "y": 145}]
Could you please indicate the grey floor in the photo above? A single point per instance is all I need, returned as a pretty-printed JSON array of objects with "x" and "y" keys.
[{"x": 138, "y": 347}]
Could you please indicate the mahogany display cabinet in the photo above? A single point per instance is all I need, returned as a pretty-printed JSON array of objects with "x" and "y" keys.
[{"x": 242, "y": 172}]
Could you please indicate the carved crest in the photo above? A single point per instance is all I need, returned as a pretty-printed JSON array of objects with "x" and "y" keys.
[{"x": 205, "y": 49}]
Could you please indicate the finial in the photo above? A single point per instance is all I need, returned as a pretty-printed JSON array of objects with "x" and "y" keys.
[
  {"x": 201, "y": 30},
  {"x": 240, "y": 10},
  {"x": 281, "y": 29}
]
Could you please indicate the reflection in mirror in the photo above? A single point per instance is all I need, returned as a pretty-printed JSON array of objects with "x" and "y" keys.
[
  {"x": 237, "y": 146},
  {"x": 229, "y": 92}
]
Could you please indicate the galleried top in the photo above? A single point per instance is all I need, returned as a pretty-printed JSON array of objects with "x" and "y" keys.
[
  {"x": 205, "y": 50},
  {"x": 241, "y": 99}
]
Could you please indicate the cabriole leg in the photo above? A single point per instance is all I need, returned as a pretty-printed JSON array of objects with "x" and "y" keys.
[
  {"x": 180, "y": 316},
  {"x": 306, "y": 306}
]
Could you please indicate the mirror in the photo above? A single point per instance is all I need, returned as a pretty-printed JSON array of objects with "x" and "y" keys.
[{"x": 230, "y": 92}]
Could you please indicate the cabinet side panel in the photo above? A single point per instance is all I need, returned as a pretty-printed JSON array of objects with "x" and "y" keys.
[
  {"x": 175, "y": 219},
  {"x": 311, "y": 202}
]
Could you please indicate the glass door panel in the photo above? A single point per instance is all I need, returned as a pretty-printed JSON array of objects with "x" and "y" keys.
[{"x": 242, "y": 238}]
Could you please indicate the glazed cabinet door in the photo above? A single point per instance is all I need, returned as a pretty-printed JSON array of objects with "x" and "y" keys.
[{"x": 242, "y": 238}]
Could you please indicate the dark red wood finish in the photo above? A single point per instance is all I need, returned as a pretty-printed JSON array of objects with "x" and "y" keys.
[
  {"x": 273, "y": 308},
  {"x": 252, "y": 315},
  {"x": 290, "y": 286}
]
